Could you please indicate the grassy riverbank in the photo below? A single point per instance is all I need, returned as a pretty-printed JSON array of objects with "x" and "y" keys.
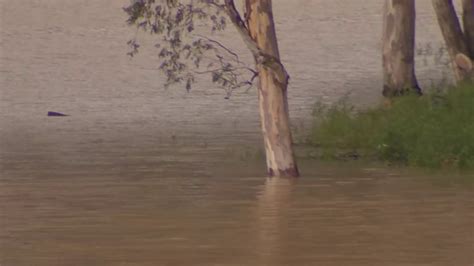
[{"x": 435, "y": 130}]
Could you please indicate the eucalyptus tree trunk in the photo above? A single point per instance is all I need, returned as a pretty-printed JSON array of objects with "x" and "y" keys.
[
  {"x": 272, "y": 91},
  {"x": 257, "y": 30},
  {"x": 398, "y": 53},
  {"x": 174, "y": 21},
  {"x": 454, "y": 37},
  {"x": 468, "y": 24}
]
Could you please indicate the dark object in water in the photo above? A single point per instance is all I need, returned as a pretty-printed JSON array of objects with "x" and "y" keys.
[{"x": 56, "y": 114}]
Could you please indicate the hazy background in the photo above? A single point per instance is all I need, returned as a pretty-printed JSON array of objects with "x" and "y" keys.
[{"x": 70, "y": 56}]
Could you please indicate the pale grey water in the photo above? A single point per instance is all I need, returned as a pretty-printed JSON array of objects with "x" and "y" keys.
[{"x": 110, "y": 185}]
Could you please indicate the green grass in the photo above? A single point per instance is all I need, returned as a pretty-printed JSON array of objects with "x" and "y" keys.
[{"x": 435, "y": 130}]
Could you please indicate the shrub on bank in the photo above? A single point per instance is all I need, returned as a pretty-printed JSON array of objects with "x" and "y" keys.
[{"x": 434, "y": 130}]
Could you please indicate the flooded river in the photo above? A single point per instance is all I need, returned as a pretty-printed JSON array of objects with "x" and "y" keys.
[{"x": 142, "y": 175}]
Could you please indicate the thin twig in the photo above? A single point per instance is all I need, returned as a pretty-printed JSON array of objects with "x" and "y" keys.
[{"x": 220, "y": 45}]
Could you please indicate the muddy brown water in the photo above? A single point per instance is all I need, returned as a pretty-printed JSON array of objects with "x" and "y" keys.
[{"x": 140, "y": 175}]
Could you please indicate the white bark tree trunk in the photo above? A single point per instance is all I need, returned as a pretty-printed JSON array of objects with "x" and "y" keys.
[
  {"x": 258, "y": 32},
  {"x": 399, "y": 48},
  {"x": 272, "y": 91}
]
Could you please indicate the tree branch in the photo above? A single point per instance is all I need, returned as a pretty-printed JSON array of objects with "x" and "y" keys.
[
  {"x": 244, "y": 32},
  {"x": 220, "y": 45},
  {"x": 261, "y": 58}
]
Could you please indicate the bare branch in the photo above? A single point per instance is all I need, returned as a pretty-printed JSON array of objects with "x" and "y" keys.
[{"x": 220, "y": 45}]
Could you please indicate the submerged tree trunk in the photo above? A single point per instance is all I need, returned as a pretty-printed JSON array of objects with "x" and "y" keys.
[
  {"x": 453, "y": 36},
  {"x": 399, "y": 48},
  {"x": 468, "y": 24},
  {"x": 258, "y": 33},
  {"x": 272, "y": 90}
]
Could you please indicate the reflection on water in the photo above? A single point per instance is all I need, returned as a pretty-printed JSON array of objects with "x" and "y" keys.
[
  {"x": 139, "y": 175},
  {"x": 348, "y": 215},
  {"x": 272, "y": 215}
]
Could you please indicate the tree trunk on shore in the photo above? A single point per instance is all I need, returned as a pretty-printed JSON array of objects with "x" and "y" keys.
[
  {"x": 468, "y": 24},
  {"x": 399, "y": 48},
  {"x": 454, "y": 37},
  {"x": 258, "y": 32}
]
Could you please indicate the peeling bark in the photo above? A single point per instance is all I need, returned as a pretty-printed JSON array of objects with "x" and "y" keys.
[
  {"x": 464, "y": 63},
  {"x": 453, "y": 36},
  {"x": 399, "y": 48},
  {"x": 258, "y": 32}
]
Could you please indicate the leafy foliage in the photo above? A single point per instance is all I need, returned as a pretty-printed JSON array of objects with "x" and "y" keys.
[
  {"x": 435, "y": 130},
  {"x": 182, "y": 50}
]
